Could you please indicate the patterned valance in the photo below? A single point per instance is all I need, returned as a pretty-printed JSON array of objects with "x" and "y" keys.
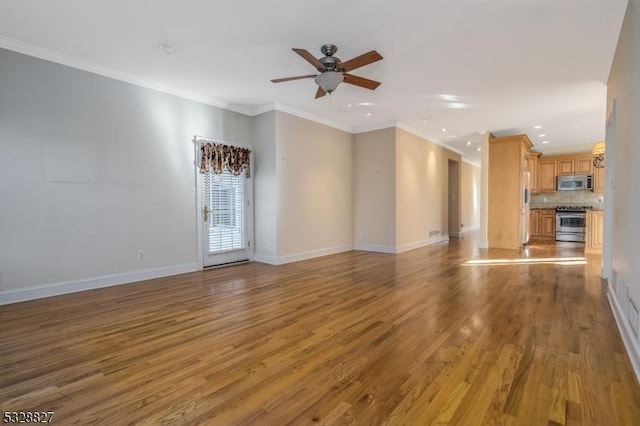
[{"x": 216, "y": 157}]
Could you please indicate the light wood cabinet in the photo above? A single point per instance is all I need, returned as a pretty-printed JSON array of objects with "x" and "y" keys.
[
  {"x": 565, "y": 166},
  {"x": 583, "y": 165},
  {"x": 533, "y": 171},
  {"x": 598, "y": 179},
  {"x": 534, "y": 224},
  {"x": 507, "y": 162},
  {"x": 549, "y": 168},
  {"x": 547, "y": 172},
  {"x": 548, "y": 224},
  {"x": 595, "y": 231},
  {"x": 580, "y": 164},
  {"x": 543, "y": 224}
]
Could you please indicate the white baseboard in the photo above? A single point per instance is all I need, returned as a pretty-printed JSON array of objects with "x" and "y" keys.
[
  {"x": 281, "y": 260},
  {"x": 404, "y": 247},
  {"x": 65, "y": 287},
  {"x": 263, "y": 258},
  {"x": 375, "y": 247},
  {"x": 628, "y": 338},
  {"x": 470, "y": 228},
  {"x": 418, "y": 244}
]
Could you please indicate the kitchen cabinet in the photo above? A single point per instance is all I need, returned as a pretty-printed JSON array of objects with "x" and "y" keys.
[
  {"x": 543, "y": 224},
  {"x": 578, "y": 165},
  {"x": 547, "y": 172},
  {"x": 598, "y": 179},
  {"x": 507, "y": 162},
  {"x": 549, "y": 168},
  {"x": 595, "y": 231},
  {"x": 533, "y": 171},
  {"x": 584, "y": 165},
  {"x": 565, "y": 166}
]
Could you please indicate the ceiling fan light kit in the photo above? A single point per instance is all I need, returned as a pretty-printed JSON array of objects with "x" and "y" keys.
[
  {"x": 329, "y": 80},
  {"x": 333, "y": 71}
]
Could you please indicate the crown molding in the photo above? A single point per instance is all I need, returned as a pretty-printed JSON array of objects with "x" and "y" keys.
[
  {"x": 312, "y": 117},
  {"x": 408, "y": 128},
  {"x": 473, "y": 163},
  {"x": 374, "y": 127},
  {"x": 105, "y": 71}
]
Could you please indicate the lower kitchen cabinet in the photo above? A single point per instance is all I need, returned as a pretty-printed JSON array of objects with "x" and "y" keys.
[
  {"x": 595, "y": 230},
  {"x": 543, "y": 224}
]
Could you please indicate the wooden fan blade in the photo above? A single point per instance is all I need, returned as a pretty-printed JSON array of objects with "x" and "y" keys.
[
  {"x": 361, "y": 61},
  {"x": 300, "y": 77},
  {"x": 320, "y": 93},
  {"x": 310, "y": 58},
  {"x": 361, "y": 81}
]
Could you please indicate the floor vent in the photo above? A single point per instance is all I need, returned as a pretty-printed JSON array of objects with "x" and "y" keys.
[{"x": 434, "y": 233}]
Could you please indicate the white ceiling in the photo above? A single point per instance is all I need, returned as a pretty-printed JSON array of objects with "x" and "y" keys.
[{"x": 512, "y": 64}]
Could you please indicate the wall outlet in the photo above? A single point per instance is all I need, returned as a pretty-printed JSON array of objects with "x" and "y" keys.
[
  {"x": 434, "y": 233},
  {"x": 140, "y": 254}
]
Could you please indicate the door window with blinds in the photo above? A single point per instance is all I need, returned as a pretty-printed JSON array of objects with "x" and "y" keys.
[
  {"x": 225, "y": 191},
  {"x": 224, "y": 200}
]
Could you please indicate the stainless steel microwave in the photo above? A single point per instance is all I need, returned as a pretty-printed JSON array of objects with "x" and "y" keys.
[{"x": 575, "y": 183}]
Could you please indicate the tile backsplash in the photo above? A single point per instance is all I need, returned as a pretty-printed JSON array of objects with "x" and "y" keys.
[{"x": 566, "y": 197}]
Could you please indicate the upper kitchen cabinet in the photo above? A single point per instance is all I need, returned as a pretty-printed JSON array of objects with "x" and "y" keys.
[
  {"x": 533, "y": 170},
  {"x": 598, "y": 179},
  {"x": 547, "y": 172},
  {"x": 584, "y": 165},
  {"x": 508, "y": 218},
  {"x": 565, "y": 166},
  {"x": 580, "y": 164}
]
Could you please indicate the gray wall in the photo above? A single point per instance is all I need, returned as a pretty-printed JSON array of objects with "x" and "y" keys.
[
  {"x": 92, "y": 170},
  {"x": 623, "y": 153}
]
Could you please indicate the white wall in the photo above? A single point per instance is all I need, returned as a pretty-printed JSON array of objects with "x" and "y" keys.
[
  {"x": 421, "y": 189},
  {"x": 484, "y": 192},
  {"x": 315, "y": 188},
  {"x": 91, "y": 171},
  {"x": 470, "y": 176},
  {"x": 265, "y": 187},
  {"x": 624, "y": 88},
  {"x": 375, "y": 190}
]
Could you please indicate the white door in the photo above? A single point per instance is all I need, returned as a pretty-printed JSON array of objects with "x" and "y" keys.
[{"x": 226, "y": 218}]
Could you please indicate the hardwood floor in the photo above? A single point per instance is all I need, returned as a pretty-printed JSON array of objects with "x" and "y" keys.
[{"x": 441, "y": 334}]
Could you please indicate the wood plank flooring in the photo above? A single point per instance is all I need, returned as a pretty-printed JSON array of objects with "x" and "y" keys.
[{"x": 446, "y": 334}]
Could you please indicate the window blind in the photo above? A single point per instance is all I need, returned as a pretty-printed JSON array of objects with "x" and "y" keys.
[{"x": 224, "y": 196}]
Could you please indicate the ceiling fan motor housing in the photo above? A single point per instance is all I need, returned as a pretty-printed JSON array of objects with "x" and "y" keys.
[{"x": 330, "y": 62}]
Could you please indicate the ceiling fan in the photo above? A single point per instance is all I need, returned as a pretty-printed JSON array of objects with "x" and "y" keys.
[{"x": 333, "y": 71}]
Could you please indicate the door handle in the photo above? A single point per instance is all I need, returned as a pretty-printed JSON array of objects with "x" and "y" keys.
[{"x": 205, "y": 214}]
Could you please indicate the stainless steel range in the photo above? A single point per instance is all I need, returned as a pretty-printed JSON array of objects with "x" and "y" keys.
[{"x": 571, "y": 224}]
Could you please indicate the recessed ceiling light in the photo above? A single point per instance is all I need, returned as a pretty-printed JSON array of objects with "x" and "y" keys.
[
  {"x": 368, "y": 114},
  {"x": 448, "y": 97},
  {"x": 538, "y": 126},
  {"x": 425, "y": 119},
  {"x": 479, "y": 149},
  {"x": 364, "y": 103},
  {"x": 457, "y": 105},
  {"x": 349, "y": 105},
  {"x": 166, "y": 48},
  {"x": 444, "y": 130},
  {"x": 468, "y": 143},
  {"x": 541, "y": 135},
  {"x": 545, "y": 142}
]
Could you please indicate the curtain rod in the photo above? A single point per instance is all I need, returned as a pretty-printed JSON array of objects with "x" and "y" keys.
[{"x": 196, "y": 138}]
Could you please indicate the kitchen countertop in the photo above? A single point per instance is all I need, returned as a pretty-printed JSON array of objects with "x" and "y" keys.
[{"x": 553, "y": 206}]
